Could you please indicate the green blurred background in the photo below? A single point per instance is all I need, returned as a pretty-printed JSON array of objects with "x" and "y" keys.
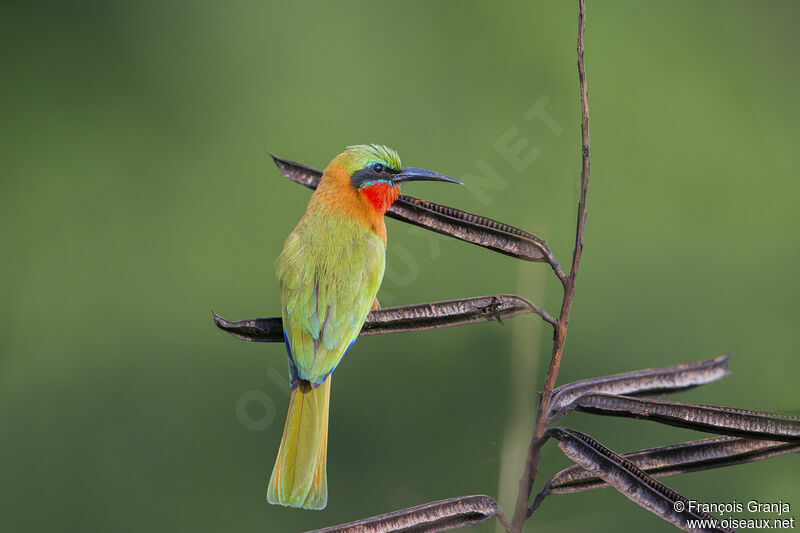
[{"x": 137, "y": 196}]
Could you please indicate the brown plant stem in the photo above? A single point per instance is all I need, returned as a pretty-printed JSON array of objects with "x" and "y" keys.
[{"x": 532, "y": 456}]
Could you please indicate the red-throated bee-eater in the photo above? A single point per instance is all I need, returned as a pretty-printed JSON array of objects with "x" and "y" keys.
[{"x": 330, "y": 270}]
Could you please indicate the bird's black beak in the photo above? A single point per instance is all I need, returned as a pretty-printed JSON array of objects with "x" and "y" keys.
[{"x": 420, "y": 174}]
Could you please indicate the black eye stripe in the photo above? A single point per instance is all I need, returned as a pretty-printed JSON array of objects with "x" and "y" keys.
[{"x": 370, "y": 173}]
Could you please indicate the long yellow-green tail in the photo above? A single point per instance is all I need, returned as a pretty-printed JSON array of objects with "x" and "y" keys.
[{"x": 299, "y": 478}]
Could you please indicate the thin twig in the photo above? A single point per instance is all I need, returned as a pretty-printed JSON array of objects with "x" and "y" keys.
[
  {"x": 533, "y": 454},
  {"x": 442, "y": 515},
  {"x": 633, "y": 482},
  {"x": 708, "y": 418},
  {"x": 418, "y": 317},
  {"x": 648, "y": 382},
  {"x": 715, "y": 452},
  {"x": 468, "y": 227},
  {"x": 503, "y": 518}
]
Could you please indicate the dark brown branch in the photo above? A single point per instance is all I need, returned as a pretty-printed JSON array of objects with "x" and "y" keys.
[
  {"x": 445, "y": 220},
  {"x": 627, "y": 478},
  {"x": 532, "y": 456},
  {"x": 650, "y": 381},
  {"x": 405, "y": 318},
  {"x": 429, "y": 518},
  {"x": 694, "y": 456},
  {"x": 709, "y": 418},
  {"x": 253, "y": 329}
]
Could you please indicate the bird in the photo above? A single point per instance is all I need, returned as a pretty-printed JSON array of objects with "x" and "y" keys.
[{"x": 329, "y": 272}]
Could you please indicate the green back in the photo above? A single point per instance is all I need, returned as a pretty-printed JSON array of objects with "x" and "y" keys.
[{"x": 330, "y": 270}]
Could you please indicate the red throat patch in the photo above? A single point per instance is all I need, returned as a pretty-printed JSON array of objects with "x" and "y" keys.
[{"x": 381, "y": 195}]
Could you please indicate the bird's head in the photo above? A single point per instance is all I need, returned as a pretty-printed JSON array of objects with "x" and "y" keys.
[{"x": 376, "y": 174}]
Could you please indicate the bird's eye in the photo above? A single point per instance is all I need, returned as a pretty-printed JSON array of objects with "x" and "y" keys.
[{"x": 377, "y": 168}]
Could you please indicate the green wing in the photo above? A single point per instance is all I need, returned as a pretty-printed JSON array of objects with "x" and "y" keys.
[{"x": 329, "y": 271}]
